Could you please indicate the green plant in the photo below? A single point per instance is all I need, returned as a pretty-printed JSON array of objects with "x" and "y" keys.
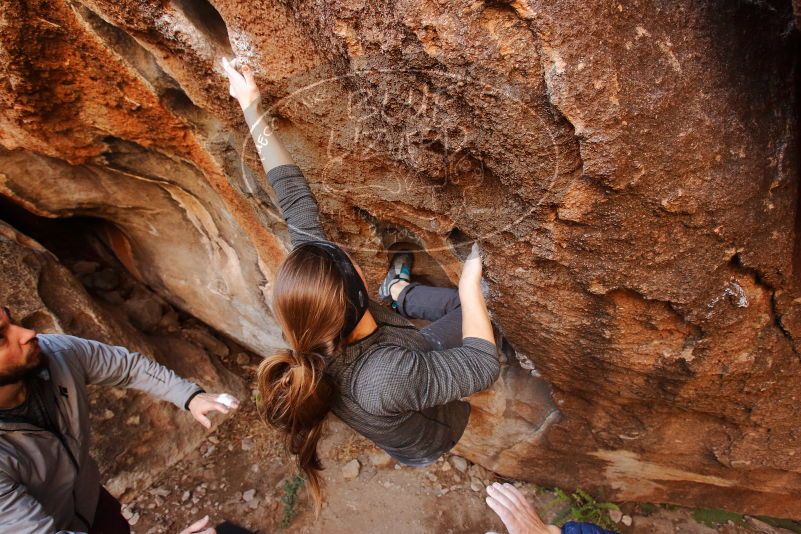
[
  {"x": 290, "y": 500},
  {"x": 713, "y": 518},
  {"x": 581, "y": 506}
]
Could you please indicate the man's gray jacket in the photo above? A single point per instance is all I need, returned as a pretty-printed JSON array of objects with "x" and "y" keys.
[{"x": 48, "y": 482}]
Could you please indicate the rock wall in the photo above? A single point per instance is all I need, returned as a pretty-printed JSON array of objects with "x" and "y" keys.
[{"x": 630, "y": 168}]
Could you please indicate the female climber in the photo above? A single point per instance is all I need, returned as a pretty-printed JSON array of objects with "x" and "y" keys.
[{"x": 395, "y": 384}]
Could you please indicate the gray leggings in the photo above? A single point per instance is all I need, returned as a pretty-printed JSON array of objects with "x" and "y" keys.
[{"x": 440, "y": 305}]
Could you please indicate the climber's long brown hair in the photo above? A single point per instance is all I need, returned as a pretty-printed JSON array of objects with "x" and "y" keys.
[{"x": 295, "y": 394}]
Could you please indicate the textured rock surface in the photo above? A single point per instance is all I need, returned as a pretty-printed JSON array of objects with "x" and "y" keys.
[{"x": 631, "y": 169}]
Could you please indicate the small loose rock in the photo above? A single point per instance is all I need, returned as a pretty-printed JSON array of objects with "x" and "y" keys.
[
  {"x": 351, "y": 469},
  {"x": 459, "y": 463},
  {"x": 161, "y": 492},
  {"x": 380, "y": 459},
  {"x": 477, "y": 471}
]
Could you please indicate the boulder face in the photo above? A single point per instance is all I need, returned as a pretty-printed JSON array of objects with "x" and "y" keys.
[{"x": 631, "y": 170}]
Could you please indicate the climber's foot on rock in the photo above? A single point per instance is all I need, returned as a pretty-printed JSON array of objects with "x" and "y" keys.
[{"x": 398, "y": 277}]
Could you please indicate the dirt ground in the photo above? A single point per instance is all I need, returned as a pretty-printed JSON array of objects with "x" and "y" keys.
[{"x": 240, "y": 474}]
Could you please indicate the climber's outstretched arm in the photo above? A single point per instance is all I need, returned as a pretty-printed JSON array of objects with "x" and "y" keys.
[
  {"x": 294, "y": 196},
  {"x": 243, "y": 87}
]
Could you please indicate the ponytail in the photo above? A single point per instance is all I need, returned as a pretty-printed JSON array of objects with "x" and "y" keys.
[{"x": 295, "y": 394}]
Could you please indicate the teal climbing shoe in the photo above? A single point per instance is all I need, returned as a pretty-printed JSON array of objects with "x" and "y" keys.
[{"x": 400, "y": 268}]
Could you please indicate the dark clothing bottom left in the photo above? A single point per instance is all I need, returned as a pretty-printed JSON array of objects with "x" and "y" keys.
[{"x": 108, "y": 517}]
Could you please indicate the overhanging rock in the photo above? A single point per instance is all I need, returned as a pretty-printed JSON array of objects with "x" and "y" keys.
[{"x": 630, "y": 168}]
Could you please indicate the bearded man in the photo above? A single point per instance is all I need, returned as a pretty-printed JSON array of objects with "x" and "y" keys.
[{"x": 48, "y": 481}]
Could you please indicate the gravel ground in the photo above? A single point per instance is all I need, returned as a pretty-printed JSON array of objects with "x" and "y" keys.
[{"x": 240, "y": 473}]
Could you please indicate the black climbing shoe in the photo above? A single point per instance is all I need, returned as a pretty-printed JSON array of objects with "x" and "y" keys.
[{"x": 400, "y": 268}]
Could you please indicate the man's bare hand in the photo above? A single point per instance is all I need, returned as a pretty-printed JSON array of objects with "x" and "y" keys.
[
  {"x": 203, "y": 403},
  {"x": 515, "y": 512},
  {"x": 199, "y": 528}
]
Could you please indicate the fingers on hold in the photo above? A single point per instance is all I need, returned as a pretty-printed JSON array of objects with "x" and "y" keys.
[
  {"x": 227, "y": 65},
  {"x": 232, "y": 73},
  {"x": 475, "y": 251}
]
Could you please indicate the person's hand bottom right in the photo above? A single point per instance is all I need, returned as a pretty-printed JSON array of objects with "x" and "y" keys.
[
  {"x": 199, "y": 527},
  {"x": 517, "y": 514}
]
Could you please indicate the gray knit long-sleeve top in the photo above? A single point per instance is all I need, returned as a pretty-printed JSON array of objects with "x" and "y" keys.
[{"x": 393, "y": 388}]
